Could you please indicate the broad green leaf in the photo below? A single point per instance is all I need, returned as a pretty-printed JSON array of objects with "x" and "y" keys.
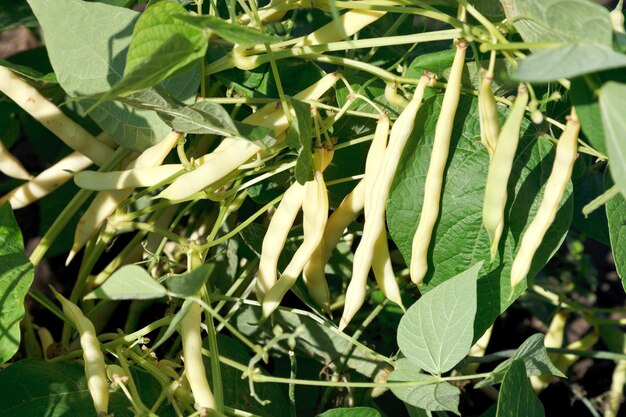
[
  {"x": 459, "y": 239},
  {"x": 534, "y": 356},
  {"x": 351, "y": 412},
  {"x": 130, "y": 282},
  {"x": 437, "y": 330},
  {"x": 161, "y": 45},
  {"x": 241, "y": 35},
  {"x": 516, "y": 395},
  {"x": 87, "y": 43},
  {"x": 560, "y": 20},
  {"x": 319, "y": 339},
  {"x": 588, "y": 111},
  {"x": 203, "y": 117},
  {"x": 568, "y": 61},
  {"x": 434, "y": 396},
  {"x": 299, "y": 138},
  {"x": 35, "y": 388},
  {"x": 616, "y": 215},
  {"x": 190, "y": 283},
  {"x": 612, "y": 97},
  {"x": 16, "y": 276}
]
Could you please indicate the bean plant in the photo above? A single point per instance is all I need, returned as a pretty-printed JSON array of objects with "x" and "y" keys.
[{"x": 310, "y": 207}]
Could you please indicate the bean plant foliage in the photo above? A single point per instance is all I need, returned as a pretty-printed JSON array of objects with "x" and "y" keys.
[{"x": 215, "y": 208}]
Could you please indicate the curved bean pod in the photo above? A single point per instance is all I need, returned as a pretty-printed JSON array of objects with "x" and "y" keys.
[
  {"x": 195, "y": 372},
  {"x": 315, "y": 211},
  {"x": 381, "y": 261},
  {"x": 70, "y": 132},
  {"x": 11, "y": 166},
  {"x": 500, "y": 169},
  {"x": 276, "y": 236},
  {"x": 566, "y": 153},
  {"x": 130, "y": 178},
  {"x": 241, "y": 150},
  {"x": 488, "y": 113},
  {"x": 95, "y": 369},
  {"x": 400, "y": 133},
  {"x": 436, "y": 168}
]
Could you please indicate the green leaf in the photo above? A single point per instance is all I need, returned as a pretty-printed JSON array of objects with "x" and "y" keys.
[
  {"x": 130, "y": 282},
  {"x": 616, "y": 215},
  {"x": 241, "y": 35},
  {"x": 189, "y": 283},
  {"x": 560, "y": 20},
  {"x": 516, "y": 395},
  {"x": 35, "y": 388},
  {"x": 568, "y": 61},
  {"x": 588, "y": 111},
  {"x": 534, "y": 356},
  {"x": 203, "y": 117},
  {"x": 437, "y": 330},
  {"x": 299, "y": 138},
  {"x": 87, "y": 43},
  {"x": 351, "y": 412},
  {"x": 161, "y": 45},
  {"x": 319, "y": 339},
  {"x": 436, "y": 396},
  {"x": 612, "y": 98},
  {"x": 459, "y": 239},
  {"x": 16, "y": 276}
]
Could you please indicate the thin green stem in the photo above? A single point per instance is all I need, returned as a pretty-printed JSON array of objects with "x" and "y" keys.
[
  {"x": 124, "y": 226},
  {"x": 515, "y": 46}
]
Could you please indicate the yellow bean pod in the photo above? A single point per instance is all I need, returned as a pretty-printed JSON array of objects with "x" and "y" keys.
[
  {"x": 499, "y": 171},
  {"x": 195, "y": 372},
  {"x": 315, "y": 212},
  {"x": 346, "y": 212},
  {"x": 276, "y": 236},
  {"x": 313, "y": 273},
  {"x": 70, "y": 132},
  {"x": 400, "y": 133},
  {"x": 381, "y": 261},
  {"x": 392, "y": 96},
  {"x": 11, "y": 166},
  {"x": 130, "y": 178},
  {"x": 240, "y": 150},
  {"x": 566, "y": 154},
  {"x": 436, "y": 168},
  {"x": 95, "y": 369},
  {"x": 351, "y": 21},
  {"x": 488, "y": 113},
  {"x": 47, "y": 181}
]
